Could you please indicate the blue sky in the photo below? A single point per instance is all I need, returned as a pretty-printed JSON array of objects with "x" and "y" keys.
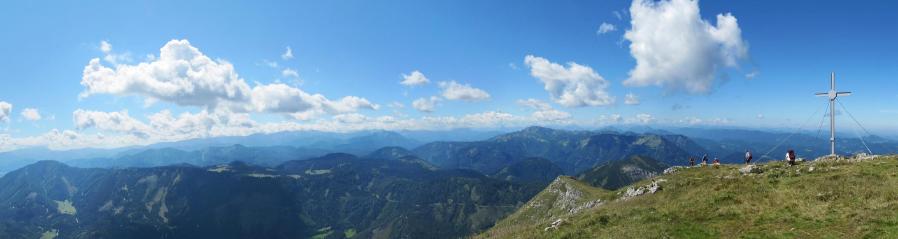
[{"x": 362, "y": 50}]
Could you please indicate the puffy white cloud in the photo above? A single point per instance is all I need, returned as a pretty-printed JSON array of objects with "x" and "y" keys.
[
  {"x": 110, "y": 121},
  {"x": 414, "y": 78},
  {"x": 5, "y": 109},
  {"x": 111, "y": 57},
  {"x": 425, "y": 104},
  {"x": 181, "y": 74},
  {"x": 31, "y": 114},
  {"x": 676, "y": 49},
  {"x": 631, "y": 99},
  {"x": 454, "y": 91},
  {"x": 573, "y": 86},
  {"x": 551, "y": 115},
  {"x": 281, "y": 98},
  {"x": 535, "y": 104},
  {"x": 288, "y": 72},
  {"x": 288, "y": 54},
  {"x": 543, "y": 111},
  {"x": 606, "y": 28},
  {"x": 185, "y": 76}
]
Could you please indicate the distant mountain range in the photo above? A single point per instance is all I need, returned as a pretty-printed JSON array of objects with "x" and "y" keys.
[
  {"x": 335, "y": 196},
  {"x": 311, "y": 184},
  {"x": 572, "y": 151}
]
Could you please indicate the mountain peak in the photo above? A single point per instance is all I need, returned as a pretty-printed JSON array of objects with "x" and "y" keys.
[{"x": 537, "y": 129}]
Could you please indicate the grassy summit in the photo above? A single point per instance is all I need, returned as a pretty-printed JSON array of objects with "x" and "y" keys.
[{"x": 812, "y": 200}]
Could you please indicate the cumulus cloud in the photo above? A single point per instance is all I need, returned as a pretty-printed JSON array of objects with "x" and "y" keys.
[
  {"x": 631, "y": 99},
  {"x": 426, "y": 105},
  {"x": 454, "y": 91},
  {"x": 573, "y": 86},
  {"x": 110, "y": 121},
  {"x": 281, "y": 98},
  {"x": 676, "y": 49},
  {"x": 288, "y": 54},
  {"x": 31, "y": 114},
  {"x": 5, "y": 109},
  {"x": 111, "y": 57},
  {"x": 534, "y": 104},
  {"x": 543, "y": 111},
  {"x": 551, "y": 115},
  {"x": 414, "y": 78},
  {"x": 185, "y": 76},
  {"x": 606, "y": 28},
  {"x": 290, "y": 73}
]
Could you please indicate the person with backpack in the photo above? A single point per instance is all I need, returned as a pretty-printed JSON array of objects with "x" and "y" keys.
[
  {"x": 704, "y": 160},
  {"x": 691, "y": 161},
  {"x": 747, "y": 156},
  {"x": 716, "y": 162},
  {"x": 790, "y": 155}
]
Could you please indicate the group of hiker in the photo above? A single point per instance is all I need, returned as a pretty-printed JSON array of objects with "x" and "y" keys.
[{"x": 790, "y": 159}]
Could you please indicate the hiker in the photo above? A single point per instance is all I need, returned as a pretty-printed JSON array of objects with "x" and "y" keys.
[
  {"x": 790, "y": 156},
  {"x": 716, "y": 162},
  {"x": 691, "y": 161},
  {"x": 704, "y": 160},
  {"x": 747, "y": 156}
]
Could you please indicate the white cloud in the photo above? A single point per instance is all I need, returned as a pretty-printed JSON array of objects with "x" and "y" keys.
[
  {"x": 618, "y": 14},
  {"x": 454, "y": 91},
  {"x": 185, "y": 76},
  {"x": 551, "y": 115},
  {"x": 610, "y": 119},
  {"x": 543, "y": 111},
  {"x": 281, "y": 98},
  {"x": 631, "y": 99},
  {"x": 288, "y": 54},
  {"x": 676, "y": 49},
  {"x": 700, "y": 121},
  {"x": 396, "y": 105},
  {"x": 5, "y": 109},
  {"x": 111, "y": 57},
  {"x": 426, "y": 105},
  {"x": 535, "y": 104},
  {"x": 414, "y": 78},
  {"x": 31, "y": 114},
  {"x": 272, "y": 64},
  {"x": 760, "y": 116},
  {"x": 573, "y": 86},
  {"x": 606, "y": 28},
  {"x": 644, "y": 118},
  {"x": 291, "y": 73},
  {"x": 751, "y": 75},
  {"x": 110, "y": 121}
]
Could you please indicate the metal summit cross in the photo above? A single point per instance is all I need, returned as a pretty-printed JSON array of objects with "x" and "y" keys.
[{"x": 832, "y": 94}]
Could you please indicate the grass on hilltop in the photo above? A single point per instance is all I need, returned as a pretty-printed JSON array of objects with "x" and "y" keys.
[{"x": 835, "y": 200}]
